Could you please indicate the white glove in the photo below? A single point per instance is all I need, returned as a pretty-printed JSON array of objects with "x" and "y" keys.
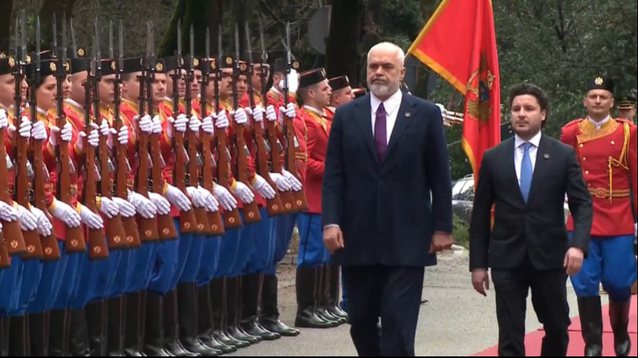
[
  {"x": 240, "y": 116},
  {"x": 126, "y": 209},
  {"x": 28, "y": 221},
  {"x": 263, "y": 188},
  {"x": 44, "y": 224},
  {"x": 207, "y": 125},
  {"x": 4, "y": 121},
  {"x": 178, "y": 124},
  {"x": 258, "y": 113},
  {"x": 194, "y": 124},
  {"x": 243, "y": 192},
  {"x": 281, "y": 182},
  {"x": 177, "y": 198},
  {"x": 224, "y": 197},
  {"x": 196, "y": 196},
  {"x": 289, "y": 110},
  {"x": 294, "y": 182},
  {"x": 142, "y": 205},
  {"x": 221, "y": 120},
  {"x": 91, "y": 219},
  {"x": 145, "y": 124},
  {"x": 38, "y": 131},
  {"x": 105, "y": 129},
  {"x": 210, "y": 203},
  {"x": 94, "y": 138},
  {"x": 162, "y": 205},
  {"x": 108, "y": 207},
  {"x": 65, "y": 213},
  {"x": 66, "y": 134},
  {"x": 122, "y": 136},
  {"x": 293, "y": 80},
  {"x": 157, "y": 125},
  {"x": 271, "y": 114},
  {"x": 7, "y": 212}
]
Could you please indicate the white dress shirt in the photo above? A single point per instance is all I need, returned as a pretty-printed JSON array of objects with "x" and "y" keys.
[
  {"x": 518, "y": 152},
  {"x": 391, "y": 106}
]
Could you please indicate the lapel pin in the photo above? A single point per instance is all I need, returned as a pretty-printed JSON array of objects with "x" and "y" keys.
[
  {"x": 546, "y": 156},
  {"x": 407, "y": 114}
]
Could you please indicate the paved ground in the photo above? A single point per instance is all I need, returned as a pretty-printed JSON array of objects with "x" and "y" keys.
[{"x": 455, "y": 320}]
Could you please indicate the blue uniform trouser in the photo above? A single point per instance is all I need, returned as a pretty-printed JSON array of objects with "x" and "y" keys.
[
  {"x": 31, "y": 273},
  {"x": 166, "y": 263},
  {"x": 143, "y": 261},
  {"x": 50, "y": 283},
  {"x": 228, "y": 251},
  {"x": 263, "y": 248},
  {"x": 245, "y": 243},
  {"x": 312, "y": 252},
  {"x": 95, "y": 278},
  {"x": 122, "y": 273},
  {"x": 283, "y": 227},
  {"x": 10, "y": 286},
  {"x": 610, "y": 260},
  {"x": 69, "y": 285},
  {"x": 190, "y": 260},
  {"x": 209, "y": 259}
]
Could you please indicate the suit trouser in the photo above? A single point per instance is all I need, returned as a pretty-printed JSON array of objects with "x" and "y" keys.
[
  {"x": 392, "y": 293},
  {"x": 263, "y": 248},
  {"x": 549, "y": 298},
  {"x": 610, "y": 260}
]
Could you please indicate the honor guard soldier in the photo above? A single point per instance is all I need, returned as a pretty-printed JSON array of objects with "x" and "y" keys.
[
  {"x": 626, "y": 106},
  {"x": 606, "y": 149}
]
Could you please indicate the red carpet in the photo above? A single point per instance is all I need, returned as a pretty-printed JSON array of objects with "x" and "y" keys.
[{"x": 576, "y": 345}]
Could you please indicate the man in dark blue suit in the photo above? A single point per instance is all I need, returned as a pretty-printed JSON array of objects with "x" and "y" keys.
[{"x": 387, "y": 204}]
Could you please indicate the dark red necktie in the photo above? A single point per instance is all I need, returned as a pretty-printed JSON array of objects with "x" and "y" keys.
[{"x": 380, "y": 137}]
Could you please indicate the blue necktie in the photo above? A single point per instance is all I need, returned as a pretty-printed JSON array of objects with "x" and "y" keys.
[
  {"x": 380, "y": 136},
  {"x": 526, "y": 171}
]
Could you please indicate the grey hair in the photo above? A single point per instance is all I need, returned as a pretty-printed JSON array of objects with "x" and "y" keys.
[{"x": 389, "y": 46}]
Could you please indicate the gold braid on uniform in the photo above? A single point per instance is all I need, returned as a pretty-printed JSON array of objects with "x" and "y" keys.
[{"x": 621, "y": 161}]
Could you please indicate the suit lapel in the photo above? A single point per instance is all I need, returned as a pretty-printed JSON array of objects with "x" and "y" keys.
[
  {"x": 404, "y": 118},
  {"x": 363, "y": 117},
  {"x": 540, "y": 167}
]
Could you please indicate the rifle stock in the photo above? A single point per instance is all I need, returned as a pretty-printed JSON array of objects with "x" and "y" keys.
[
  {"x": 276, "y": 149},
  {"x": 165, "y": 223},
  {"x": 292, "y": 148},
  {"x": 5, "y": 260},
  {"x": 131, "y": 229}
]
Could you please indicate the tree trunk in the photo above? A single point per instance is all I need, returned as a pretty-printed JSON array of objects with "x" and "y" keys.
[
  {"x": 61, "y": 9},
  {"x": 6, "y": 21},
  {"x": 342, "y": 49},
  {"x": 202, "y": 14}
]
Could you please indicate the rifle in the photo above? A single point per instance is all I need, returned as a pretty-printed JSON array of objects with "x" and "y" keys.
[
  {"x": 207, "y": 66},
  {"x": 193, "y": 177},
  {"x": 274, "y": 205},
  {"x": 49, "y": 244},
  {"x": 14, "y": 241},
  {"x": 187, "y": 220},
  {"x": 121, "y": 189},
  {"x": 232, "y": 219},
  {"x": 251, "y": 210},
  {"x": 292, "y": 143},
  {"x": 165, "y": 223}
]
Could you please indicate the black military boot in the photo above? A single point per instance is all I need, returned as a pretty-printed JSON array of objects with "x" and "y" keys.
[
  {"x": 97, "y": 321},
  {"x": 219, "y": 304},
  {"x": 188, "y": 319},
  {"x": 591, "y": 321},
  {"x": 306, "y": 286},
  {"x": 269, "y": 315},
  {"x": 115, "y": 326},
  {"x": 4, "y": 336},
  {"x": 205, "y": 322},
  {"x": 79, "y": 336},
  {"x": 335, "y": 285},
  {"x": 251, "y": 291},
  {"x": 171, "y": 327},
  {"x": 619, "y": 319},
  {"x": 234, "y": 311},
  {"x": 60, "y": 332},
  {"x": 133, "y": 327},
  {"x": 323, "y": 296},
  {"x": 154, "y": 326},
  {"x": 39, "y": 334},
  {"x": 19, "y": 344}
]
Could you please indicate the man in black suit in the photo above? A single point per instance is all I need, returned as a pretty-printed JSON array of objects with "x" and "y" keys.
[
  {"x": 387, "y": 203},
  {"x": 528, "y": 247}
]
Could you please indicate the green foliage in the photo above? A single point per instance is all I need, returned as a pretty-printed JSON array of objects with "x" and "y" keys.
[{"x": 460, "y": 230}]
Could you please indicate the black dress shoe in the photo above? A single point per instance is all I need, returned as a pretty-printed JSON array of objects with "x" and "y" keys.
[
  {"x": 254, "y": 329},
  {"x": 176, "y": 349},
  {"x": 209, "y": 340},
  {"x": 309, "y": 319}
]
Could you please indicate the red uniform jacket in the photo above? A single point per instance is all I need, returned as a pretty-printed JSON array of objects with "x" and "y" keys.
[
  {"x": 608, "y": 159},
  {"x": 318, "y": 129}
]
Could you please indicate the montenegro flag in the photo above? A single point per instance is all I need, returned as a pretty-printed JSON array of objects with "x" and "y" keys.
[{"x": 459, "y": 44}]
